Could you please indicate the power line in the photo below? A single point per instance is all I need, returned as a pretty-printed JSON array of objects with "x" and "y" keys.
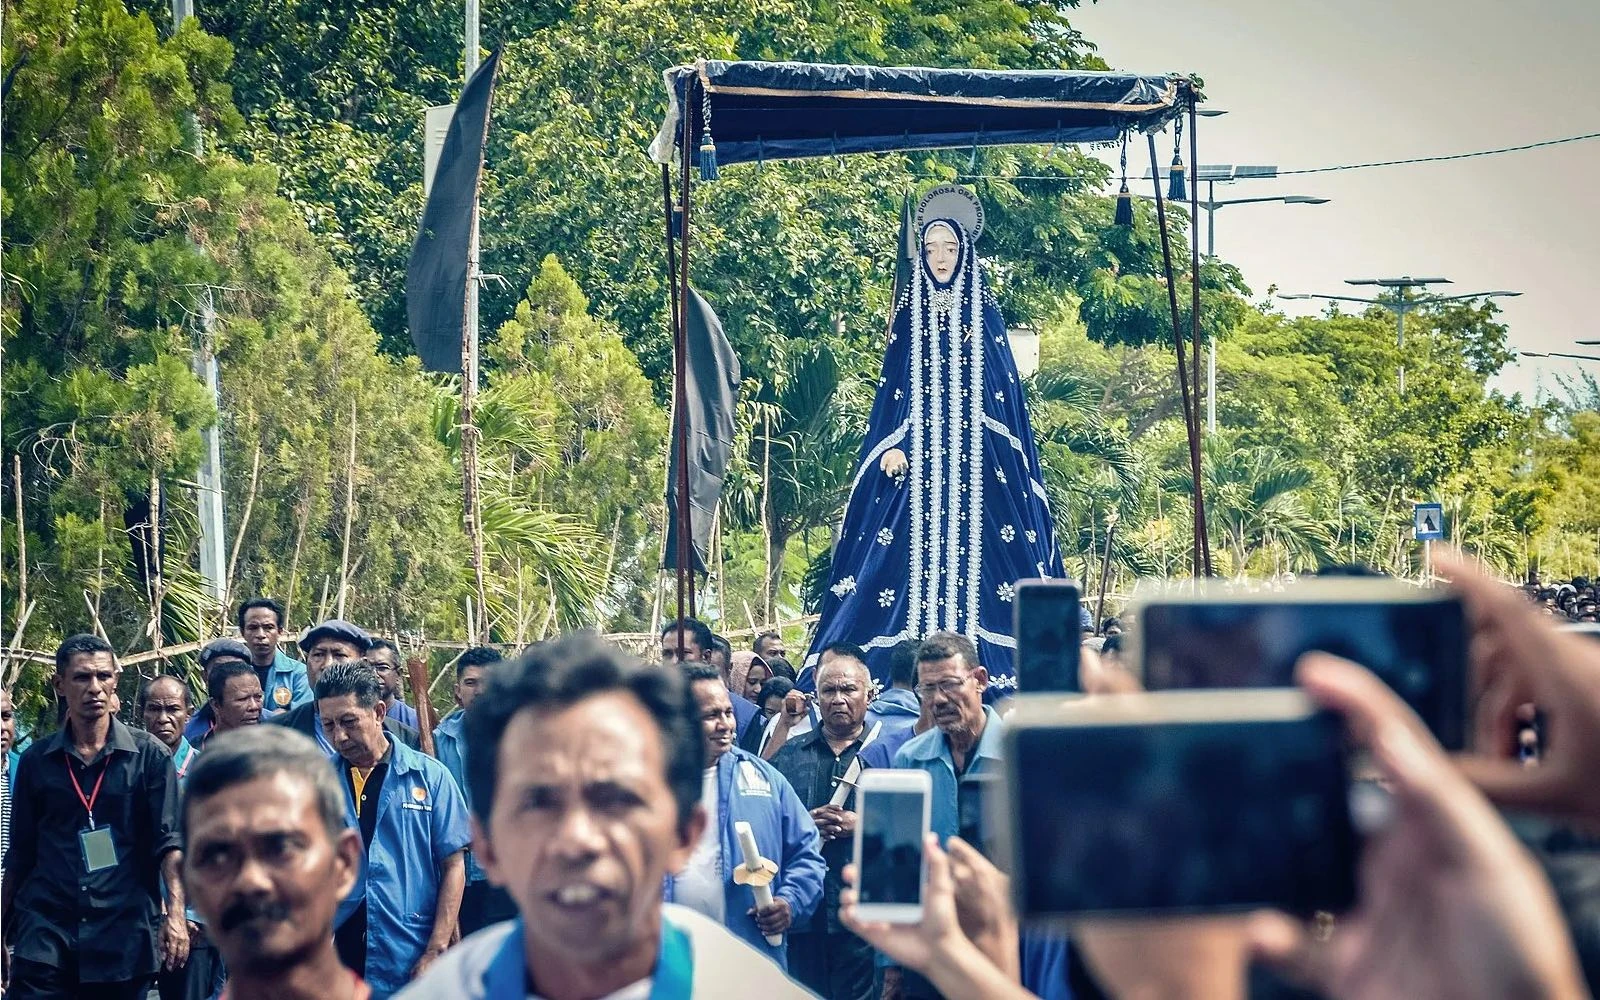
[
  {"x": 1564, "y": 140},
  {"x": 1450, "y": 156}
]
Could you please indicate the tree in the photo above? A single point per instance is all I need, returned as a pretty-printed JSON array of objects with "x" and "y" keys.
[{"x": 602, "y": 434}]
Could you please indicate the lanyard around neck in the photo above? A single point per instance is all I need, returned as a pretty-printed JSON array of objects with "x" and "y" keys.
[{"x": 88, "y": 801}]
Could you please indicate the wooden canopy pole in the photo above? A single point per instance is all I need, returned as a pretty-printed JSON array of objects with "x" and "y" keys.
[
  {"x": 1194, "y": 332},
  {"x": 680, "y": 393},
  {"x": 1183, "y": 368}
]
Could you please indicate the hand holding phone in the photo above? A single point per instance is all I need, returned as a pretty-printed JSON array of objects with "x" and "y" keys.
[
  {"x": 893, "y": 814},
  {"x": 1177, "y": 802}
]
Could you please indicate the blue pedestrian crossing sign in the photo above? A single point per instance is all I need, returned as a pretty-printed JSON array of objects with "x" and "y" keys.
[{"x": 1428, "y": 520}]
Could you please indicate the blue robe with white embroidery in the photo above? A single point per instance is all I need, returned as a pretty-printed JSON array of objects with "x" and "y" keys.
[{"x": 942, "y": 546}]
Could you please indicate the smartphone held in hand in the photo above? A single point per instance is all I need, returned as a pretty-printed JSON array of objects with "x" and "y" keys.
[
  {"x": 1414, "y": 638},
  {"x": 893, "y": 812},
  {"x": 1177, "y": 802},
  {"x": 1049, "y": 630}
]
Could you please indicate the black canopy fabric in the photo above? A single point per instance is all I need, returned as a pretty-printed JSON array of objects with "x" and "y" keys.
[
  {"x": 768, "y": 111},
  {"x": 436, "y": 276}
]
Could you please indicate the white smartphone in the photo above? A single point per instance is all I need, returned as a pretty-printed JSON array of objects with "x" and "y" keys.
[{"x": 893, "y": 812}]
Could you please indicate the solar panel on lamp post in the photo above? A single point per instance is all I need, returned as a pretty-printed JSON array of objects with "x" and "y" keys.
[{"x": 1400, "y": 304}]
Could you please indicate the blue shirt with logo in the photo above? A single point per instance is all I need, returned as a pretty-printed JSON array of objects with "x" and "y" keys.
[{"x": 422, "y": 819}]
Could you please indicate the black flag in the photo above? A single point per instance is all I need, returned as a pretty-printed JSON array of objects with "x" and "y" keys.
[
  {"x": 711, "y": 385},
  {"x": 905, "y": 256},
  {"x": 436, "y": 278}
]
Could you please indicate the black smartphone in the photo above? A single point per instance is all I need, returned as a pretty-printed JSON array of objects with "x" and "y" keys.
[
  {"x": 1049, "y": 632},
  {"x": 1414, "y": 638},
  {"x": 1177, "y": 802}
]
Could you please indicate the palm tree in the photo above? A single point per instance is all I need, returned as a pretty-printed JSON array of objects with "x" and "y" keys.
[
  {"x": 1090, "y": 471},
  {"x": 798, "y": 436},
  {"x": 531, "y": 551},
  {"x": 1258, "y": 501}
]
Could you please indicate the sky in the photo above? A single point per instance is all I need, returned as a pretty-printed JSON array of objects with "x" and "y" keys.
[{"x": 1310, "y": 84}]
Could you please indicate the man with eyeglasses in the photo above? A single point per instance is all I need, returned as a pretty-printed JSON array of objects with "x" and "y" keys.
[
  {"x": 384, "y": 656},
  {"x": 961, "y": 753}
]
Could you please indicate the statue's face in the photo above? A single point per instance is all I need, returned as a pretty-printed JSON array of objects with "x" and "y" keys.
[{"x": 940, "y": 249}]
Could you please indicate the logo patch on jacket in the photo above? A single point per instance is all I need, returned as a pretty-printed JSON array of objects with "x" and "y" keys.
[
  {"x": 281, "y": 696},
  {"x": 752, "y": 781}
]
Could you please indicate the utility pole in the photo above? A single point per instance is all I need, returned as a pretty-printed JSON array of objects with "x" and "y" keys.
[
  {"x": 471, "y": 502},
  {"x": 212, "y": 560}
]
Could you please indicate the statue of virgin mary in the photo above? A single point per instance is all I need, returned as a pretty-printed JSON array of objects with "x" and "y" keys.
[{"x": 947, "y": 511}]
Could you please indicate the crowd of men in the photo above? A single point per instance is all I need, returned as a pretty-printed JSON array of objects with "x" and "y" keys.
[
  {"x": 590, "y": 826},
  {"x": 1573, "y": 600}
]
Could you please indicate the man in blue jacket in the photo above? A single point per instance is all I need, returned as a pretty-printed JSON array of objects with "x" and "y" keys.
[
  {"x": 284, "y": 684},
  {"x": 741, "y": 787},
  {"x": 414, "y": 830},
  {"x": 482, "y": 903}
]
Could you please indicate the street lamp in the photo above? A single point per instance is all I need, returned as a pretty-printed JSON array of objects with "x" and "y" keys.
[
  {"x": 1212, "y": 174},
  {"x": 1400, "y": 304}
]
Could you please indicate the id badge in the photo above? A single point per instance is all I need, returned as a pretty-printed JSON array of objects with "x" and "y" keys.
[{"x": 99, "y": 850}]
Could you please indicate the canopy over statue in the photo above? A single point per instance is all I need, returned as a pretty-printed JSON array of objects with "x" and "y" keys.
[
  {"x": 969, "y": 460},
  {"x": 947, "y": 511}
]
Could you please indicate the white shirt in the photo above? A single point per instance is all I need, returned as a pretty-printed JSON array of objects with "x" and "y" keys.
[
  {"x": 699, "y": 886},
  {"x": 724, "y": 966},
  {"x": 633, "y": 991}
]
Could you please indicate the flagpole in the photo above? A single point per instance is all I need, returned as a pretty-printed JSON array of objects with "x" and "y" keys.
[
  {"x": 680, "y": 387},
  {"x": 471, "y": 504}
]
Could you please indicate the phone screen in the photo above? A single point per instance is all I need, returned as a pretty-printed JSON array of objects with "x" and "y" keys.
[
  {"x": 1049, "y": 636},
  {"x": 1418, "y": 648},
  {"x": 1183, "y": 817},
  {"x": 890, "y": 866}
]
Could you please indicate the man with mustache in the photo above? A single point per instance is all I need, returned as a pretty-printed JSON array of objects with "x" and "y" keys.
[
  {"x": 94, "y": 832},
  {"x": 268, "y": 858},
  {"x": 740, "y": 787},
  {"x": 413, "y": 822},
  {"x": 585, "y": 770}
]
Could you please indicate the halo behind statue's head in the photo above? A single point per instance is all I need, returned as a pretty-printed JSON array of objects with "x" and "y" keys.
[{"x": 952, "y": 201}]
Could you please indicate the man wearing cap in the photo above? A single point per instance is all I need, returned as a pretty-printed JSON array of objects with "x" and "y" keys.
[
  {"x": 233, "y": 689},
  {"x": 335, "y": 641},
  {"x": 413, "y": 822}
]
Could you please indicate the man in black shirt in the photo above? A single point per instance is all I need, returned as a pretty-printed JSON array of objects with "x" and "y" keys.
[
  {"x": 826, "y": 957},
  {"x": 95, "y": 833}
]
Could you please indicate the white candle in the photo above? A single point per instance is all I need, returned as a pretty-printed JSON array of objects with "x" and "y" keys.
[{"x": 753, "y": 867}]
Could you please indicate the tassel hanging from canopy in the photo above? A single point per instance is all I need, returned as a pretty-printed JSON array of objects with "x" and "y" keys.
[
  {"x": 1124, "y": 216},
  {"x": 708, "y": 145},
  {"x": 1176, "y": 191}
]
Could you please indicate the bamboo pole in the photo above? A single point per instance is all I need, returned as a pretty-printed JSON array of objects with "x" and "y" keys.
[
  {"x": 349, "y": 512},
  {"x": 605, "y": 588},
  {"x": 244, "y": 523},
  {"x": 22, "y": 538},
  {"x": 13, "y": 660},
  {"x": 304, "y": 509},
  {"x": 158, "y": 594},
  {"x": 766, "y": 514}
]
